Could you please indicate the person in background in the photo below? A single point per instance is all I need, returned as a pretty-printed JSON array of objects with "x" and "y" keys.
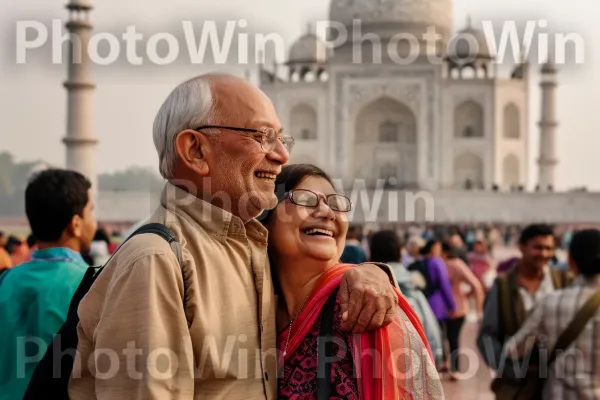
[
  {"x": 456, "y": 241},
  {"x": 99, "y": 251},
  {"x": 440, "y": 295},
  {"x": 511, "y": 299},
  {"x": 18, "y": 250},
  {"x": 480, "y": 261},
  {"x": 5, "y": 260},
  {"x": 412, "y": 253},
  {"x": 112, "y": 244},
  {"x": 574, "y": 373},
  {"x": 365, "y": 244},
  {"x": 506, "y": 265},
  {"x": 470, "y": 237},
  {"x": 460, "y": 277},
  {"x": 35, "y": 296},
  {"x": 385, "y": 248},
  {"x": 353, "y": 250}
]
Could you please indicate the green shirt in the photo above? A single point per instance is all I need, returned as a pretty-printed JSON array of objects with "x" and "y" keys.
[{"x": 34, "y": 301}]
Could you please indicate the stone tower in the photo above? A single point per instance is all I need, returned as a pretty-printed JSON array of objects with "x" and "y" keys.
[
  {"x": 80, "y": 140},
  {"x": 548, "y": 160}
]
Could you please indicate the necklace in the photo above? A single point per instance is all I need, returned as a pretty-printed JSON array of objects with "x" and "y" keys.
[{"x": 290, "y": 326}]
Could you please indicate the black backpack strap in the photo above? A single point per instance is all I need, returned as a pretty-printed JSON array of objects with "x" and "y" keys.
[
  {"x": 82, "y": 289},
  {"x": 165, "y": 233},
  {"x": 325, "y": 349},
  {"x": 92, "y": 273}
]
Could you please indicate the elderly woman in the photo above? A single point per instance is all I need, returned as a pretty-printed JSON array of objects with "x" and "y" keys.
[{"x": 307, "y": 233}]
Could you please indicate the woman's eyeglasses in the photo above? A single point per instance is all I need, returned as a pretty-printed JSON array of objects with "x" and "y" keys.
[
  {"x": 268, "y": 137},
  {"x": 307, "y": 198}
]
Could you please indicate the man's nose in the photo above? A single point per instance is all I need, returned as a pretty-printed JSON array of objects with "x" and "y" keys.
[{"x": 279, "y": 153}]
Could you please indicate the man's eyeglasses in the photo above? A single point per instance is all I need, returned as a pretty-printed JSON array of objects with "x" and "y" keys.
[
  {"x": 268, "y": 137},
  {"x": 307, "y": 198}
]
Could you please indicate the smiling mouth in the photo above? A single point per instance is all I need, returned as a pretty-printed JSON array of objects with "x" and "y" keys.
[
  {"x": 318, "y": 232},
  {"x": 267, "y": 176}
]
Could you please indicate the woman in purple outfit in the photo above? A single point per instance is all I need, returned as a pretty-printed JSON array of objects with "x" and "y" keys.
[{"x": 440, "y": 297}]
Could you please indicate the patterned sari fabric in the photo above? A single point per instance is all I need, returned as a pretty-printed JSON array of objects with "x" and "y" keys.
[{"x": 394, "y": 362}]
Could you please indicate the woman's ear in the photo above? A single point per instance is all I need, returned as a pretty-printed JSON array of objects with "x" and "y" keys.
[{"x": 191, "y": 147}]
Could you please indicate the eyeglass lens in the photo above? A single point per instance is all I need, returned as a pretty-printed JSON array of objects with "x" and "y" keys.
[
  {"x": 309, "y": 199},
  {"x": 269, "y": 140}
]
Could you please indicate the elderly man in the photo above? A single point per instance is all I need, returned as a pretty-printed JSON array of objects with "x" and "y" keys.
[{"x": 151, "y": 328}]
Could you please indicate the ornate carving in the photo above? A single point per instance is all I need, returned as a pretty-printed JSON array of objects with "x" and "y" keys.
[
  {"x": 477, "y": 97},
  {"x": 361, "y": 94}
]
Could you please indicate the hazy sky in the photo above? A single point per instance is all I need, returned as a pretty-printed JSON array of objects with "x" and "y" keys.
[{"x": 33, "y": 100}]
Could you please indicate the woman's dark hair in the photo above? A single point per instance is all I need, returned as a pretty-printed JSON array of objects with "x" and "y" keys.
[
  {"x": 428, "y": 246},
  {"x": 290, "y": 177},
  {"x": 52, "y": 199},
  {"x": 450, "y": 251},
  {"x": 585, "y": 252},
  {"x": 385, "y": 247}
]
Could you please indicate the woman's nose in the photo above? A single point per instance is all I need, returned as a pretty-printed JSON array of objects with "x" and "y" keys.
[{"x": 323, "y": 209}]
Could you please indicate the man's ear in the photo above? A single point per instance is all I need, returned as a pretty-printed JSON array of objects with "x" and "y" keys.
[
  {"x": 75, "y": 226},
  {"x": 192, "y": 148}
]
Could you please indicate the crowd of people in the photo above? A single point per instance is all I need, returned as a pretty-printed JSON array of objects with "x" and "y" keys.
[
  {"x": 248, "y": 283},
  {"x": 520, "y": 303},
  {"x": 15, "y": 250},
  {"x": 438, "y": 276}
]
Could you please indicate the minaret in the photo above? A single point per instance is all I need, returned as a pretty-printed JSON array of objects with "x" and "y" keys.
[
  {"x": 80, "y": 139},
  {"x": 548, "y": 160}
]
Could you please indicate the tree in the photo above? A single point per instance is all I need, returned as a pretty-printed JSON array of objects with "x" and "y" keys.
[
  {"x": 14, "y": 177},
  {"x": 138, "y": 179}
]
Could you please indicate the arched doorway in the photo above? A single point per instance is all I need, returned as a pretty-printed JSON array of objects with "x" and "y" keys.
[
  {"x": 468, "y": 171},
  {"x": 468, "y": 120},
  {"x": 385, "y": 143},
  {"x": 303, "y": 121}
]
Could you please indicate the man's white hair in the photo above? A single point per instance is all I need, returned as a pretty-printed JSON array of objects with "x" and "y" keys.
[{"x": 190, "y": 105}]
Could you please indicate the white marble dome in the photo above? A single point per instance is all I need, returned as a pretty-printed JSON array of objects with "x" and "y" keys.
[
  {"x": 399, "y": 15},
  {"x": 469, "y": 43},
  {"x": 308, "y": 49}
]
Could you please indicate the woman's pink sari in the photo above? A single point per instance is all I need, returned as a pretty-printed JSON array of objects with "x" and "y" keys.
[{"x": 394, "y": 362}]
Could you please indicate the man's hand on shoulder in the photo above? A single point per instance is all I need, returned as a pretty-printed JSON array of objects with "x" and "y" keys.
[{"x": 368, "y": 299}]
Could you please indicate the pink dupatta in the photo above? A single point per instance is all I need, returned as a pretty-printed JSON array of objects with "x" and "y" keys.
[{"x": 394, "y": 362}]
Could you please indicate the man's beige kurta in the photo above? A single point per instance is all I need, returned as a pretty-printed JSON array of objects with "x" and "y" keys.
[{"x": 152, "y": 329}]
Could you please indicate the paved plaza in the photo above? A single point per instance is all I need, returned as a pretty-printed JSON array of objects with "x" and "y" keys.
[{"x": 477, "y": 378}]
